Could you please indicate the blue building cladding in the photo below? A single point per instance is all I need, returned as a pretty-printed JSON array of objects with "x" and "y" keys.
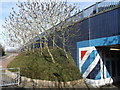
[
  {"x": 113, "y": 40},
  {"x": 102, "y": 25},
  {"x": 105, "y": 24}
]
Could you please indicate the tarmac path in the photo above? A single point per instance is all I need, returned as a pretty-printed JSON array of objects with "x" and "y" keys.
[{"x": 4, "y": 61}]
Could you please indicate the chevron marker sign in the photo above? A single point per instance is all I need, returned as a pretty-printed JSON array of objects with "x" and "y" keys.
[{"x": 91, "y": 65}]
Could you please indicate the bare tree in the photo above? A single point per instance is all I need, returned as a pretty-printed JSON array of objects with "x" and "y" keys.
[{"x": 38, "y": 19}]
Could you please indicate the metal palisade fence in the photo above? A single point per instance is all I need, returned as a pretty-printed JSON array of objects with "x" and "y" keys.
[{"x": 9, "y": 76}]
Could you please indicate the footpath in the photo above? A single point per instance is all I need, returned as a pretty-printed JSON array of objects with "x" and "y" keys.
[{"x": 5, "y": 61}]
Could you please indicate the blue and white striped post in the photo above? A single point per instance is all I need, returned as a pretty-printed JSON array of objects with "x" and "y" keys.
[{"x": 92, "y": 68}]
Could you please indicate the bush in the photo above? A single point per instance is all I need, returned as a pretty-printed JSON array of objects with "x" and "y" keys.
[
  {"x": 3, "y": 52},
  {"x": 36, "y": 66}
]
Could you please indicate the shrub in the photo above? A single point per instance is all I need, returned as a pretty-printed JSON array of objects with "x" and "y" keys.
[{"x": 3, "y": 52}]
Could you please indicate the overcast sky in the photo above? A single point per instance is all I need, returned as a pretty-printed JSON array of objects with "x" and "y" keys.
[{"x": 6, "y": 5}]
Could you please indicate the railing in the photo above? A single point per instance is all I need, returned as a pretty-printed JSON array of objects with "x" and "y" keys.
[
  {"x": 9, "y": 78},
  {"x": 94, "y": 9}
]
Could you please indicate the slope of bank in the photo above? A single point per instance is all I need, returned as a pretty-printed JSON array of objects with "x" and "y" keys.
[{"x": 36, "y": 66}]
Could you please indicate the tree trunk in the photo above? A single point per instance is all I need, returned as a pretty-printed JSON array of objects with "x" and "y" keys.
[
  {"x": 41, "y": 52},
  {"x": 46, "y": 45}
]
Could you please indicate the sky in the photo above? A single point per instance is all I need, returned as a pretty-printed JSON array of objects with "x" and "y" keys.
[{"x": 6, "y": 7}]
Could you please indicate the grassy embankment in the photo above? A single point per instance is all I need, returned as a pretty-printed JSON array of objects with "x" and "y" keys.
[{"x": 37, "y": 66}]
